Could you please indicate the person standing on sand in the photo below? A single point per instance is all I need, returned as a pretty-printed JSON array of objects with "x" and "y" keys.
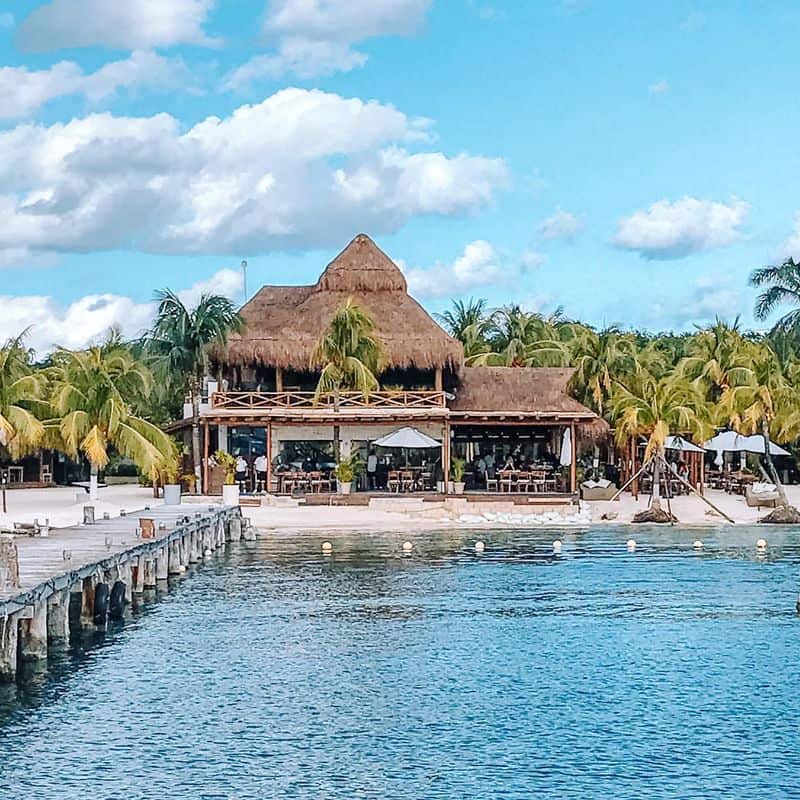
[{"x": 372, "y": 468}]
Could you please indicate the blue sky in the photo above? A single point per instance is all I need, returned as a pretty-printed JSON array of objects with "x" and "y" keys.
[{"x": 631, "y": 162}]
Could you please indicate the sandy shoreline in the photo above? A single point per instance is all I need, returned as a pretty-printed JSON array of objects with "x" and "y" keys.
[{"x": 60, "y": 506}]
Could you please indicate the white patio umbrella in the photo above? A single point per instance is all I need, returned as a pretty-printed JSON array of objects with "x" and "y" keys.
[
  {"x": 732, "y": 442},
  {"x": 679, "y": 443},
  {"x": 407, "y": 438},
  {"x": 566, "y": 448}
]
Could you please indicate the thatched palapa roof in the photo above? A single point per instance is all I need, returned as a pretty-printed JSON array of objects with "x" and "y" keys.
[
  {"x": 540, "y": 392},
  {"x": 283, "y": 323}
]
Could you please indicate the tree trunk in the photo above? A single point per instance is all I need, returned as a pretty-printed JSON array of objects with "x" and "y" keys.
[
  {"x": 93, "y": 482},
  {"x": 336, "y": 428},
  {"x": 196, "y": 430},
  {"x": 773, "y": 473},
  {"x": 655, "y": 496}
]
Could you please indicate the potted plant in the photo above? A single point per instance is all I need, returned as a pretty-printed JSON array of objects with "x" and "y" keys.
[
  {"x": 230, "y": 490},
  {"x": 172, "y": 489},
  {"x": 346, "y": 471},
  {"x": 457, "y": 468}
]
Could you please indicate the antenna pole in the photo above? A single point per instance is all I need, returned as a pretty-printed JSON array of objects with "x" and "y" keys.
[{"x": 244, "y": 280}]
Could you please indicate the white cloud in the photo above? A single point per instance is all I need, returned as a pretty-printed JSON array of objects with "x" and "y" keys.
[
  {"x": 316, "y": 37},
  {"x": 560, "y": 225},
  {"x": 477, "y": 266},
  {"x": 300, "y": 169},
  {"x": 531, "y": 259},
  {"x": 116, "y": 24},
  {"x": 660, "y": 87},
  {"x": 23, "y": 92},
  {"x": 87, "y": 320},
  {"x": 675, "y": 230},
  {"x": 6, "y": 20},
  {"x": 790, "y": 247},
  {"x": 711, "y": 297}
]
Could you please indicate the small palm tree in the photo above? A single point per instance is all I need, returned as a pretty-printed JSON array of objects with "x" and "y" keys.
[
  {"x": 91, "y": 394},
  {"x": 21, "y": 388},
  {"x": 782, "y": 282},
  {"x": 765, "y": 404},
  {"x": 654, "y": 408},
  {"x": 463, "y": 315},
  {"x": 179, "y": 341},
  {"x": 348, "y": 355}
]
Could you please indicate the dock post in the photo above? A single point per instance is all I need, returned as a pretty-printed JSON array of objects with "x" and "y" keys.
[
  {"x": 174, "y": 557},
  {"x": 33, "y": 634},
  {"x": 9, "y": 636},
  {"x": 195, "y": 551},
  {"x": 58, "y": 617},
  {"x": 87, "y": 602},
  {"x": 126, "y": 576},
  {"x": 137, "y": 576},
  {"x": 162, "y": 564},
  {"x": 148, "y": 567},
  {"x": 235, "y": 529}
]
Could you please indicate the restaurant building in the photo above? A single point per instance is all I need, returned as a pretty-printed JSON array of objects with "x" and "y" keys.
[{"x": 262, "y": 400}]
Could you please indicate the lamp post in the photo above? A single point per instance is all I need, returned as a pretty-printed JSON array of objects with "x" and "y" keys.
[
  {"x": 244, "y": 279},
  {"x": 3, "y": 479}
]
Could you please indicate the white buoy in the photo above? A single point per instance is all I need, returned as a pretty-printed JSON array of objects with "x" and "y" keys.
[
  {"x": 407, "y": 547},
  {"x": 557, "y": 546},
  {"x": 207, "y": 552},
  {"x": 761, "y": 544},
  {"x": 327, "y": 547},
  {"x": 631, "y": 544},
  {"x": 181, "y": 569},
  {"x": 479, "y": 546},
  {"x": 698, "y": 545}
]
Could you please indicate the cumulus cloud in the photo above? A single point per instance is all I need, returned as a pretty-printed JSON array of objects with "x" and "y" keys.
[
  {"x": 712, "y": 296},
  {"x": 531, "y": 259},
  {"x": 675, "y": 230},
  {"x": 317, "y": 37},
  {"x": 24, "y": 91},
  {"x": 87, "y": 320},
  {"x": 560, "y": 225},
  {"x": 116, "y": 24},
  {"x": 790, "y": 247},
  {"x": 477, "y": 266},
  {"x": 293, "y": 171}
]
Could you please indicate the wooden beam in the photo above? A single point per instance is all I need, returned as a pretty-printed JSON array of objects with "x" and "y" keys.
[
  {"x": 204, "y": 487},
  {"x": 573, "y": 468},
  {"x": 278, "y": 379},
  {"x": 446, "y": 457},
  {"x": 268, "y": 487},
  {"x": 438, "y": 380}
]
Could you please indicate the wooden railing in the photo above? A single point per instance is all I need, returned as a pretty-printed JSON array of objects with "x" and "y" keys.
[{"x": 250, "y": 401}]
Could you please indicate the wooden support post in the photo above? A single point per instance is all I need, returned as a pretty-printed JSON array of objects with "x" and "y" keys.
[
  {"x": 438, "y": 380},
  {"x": 573, "y": 467},
  {"x": 126, "y": 576},
  {"x": 58, "y": 616},
  {"x": 87, "y": 601},
  {"x": 162, "y": 564},
  {"x": 268, "y": 487},
  {"x": 147, "y": 566},
  {"x": 278, "y": 379},
  {"x": 33, "y": 634},
  {"x": 446, "y": 457},
  {"x": 204, "y": 487},
  {"x": 137, "y": 576},
  {"x": 9, "y": 637},
  {"x": 174, "y": 557}
]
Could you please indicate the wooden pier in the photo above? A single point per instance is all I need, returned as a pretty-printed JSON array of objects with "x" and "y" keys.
[{"x": 106, "y": 563}]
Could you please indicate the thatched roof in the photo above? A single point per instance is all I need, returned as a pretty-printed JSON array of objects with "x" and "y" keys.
[
  {"x": 535, "y": 391},
  {"x": 283, "y": 323}
]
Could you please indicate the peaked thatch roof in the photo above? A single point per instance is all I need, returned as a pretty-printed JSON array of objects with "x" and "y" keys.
[
  {"x": 536, "y": 391},
  {"x": 283, "y": 323}
]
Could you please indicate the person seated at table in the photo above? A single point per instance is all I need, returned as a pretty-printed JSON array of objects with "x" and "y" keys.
[
  {"x": 509, "y": 465},
  {"x": 549, "y": 457}
]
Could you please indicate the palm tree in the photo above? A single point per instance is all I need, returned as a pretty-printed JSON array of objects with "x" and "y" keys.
[
  {"x": 179, "y": 341},
  {"x": 765, "y": 404},
  {"x": 783, "y": 286},
  {"x": 600, "y": 358},
  {"x": 463, "y": 315},
  {"x": 348, "y": 355},
  {"x": 90, "y": 393},
  {"x": 21, "y": 388},
  {"x": 655, "y": 407}
]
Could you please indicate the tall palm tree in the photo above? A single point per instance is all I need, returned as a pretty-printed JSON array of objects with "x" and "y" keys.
[
  {"x": 348, "y": 355},
  {"x": 600, "y": 358},
  {"x": 462, "y": 315},
  {"x": 765, "y": 404},
  {"x": 21, "y": 388},
  {"x": 90, "y": 394},
  {"x": 179, "y": 341},
  {"x": 654, "y": 407},
  {"x": 782, "y": 282}
]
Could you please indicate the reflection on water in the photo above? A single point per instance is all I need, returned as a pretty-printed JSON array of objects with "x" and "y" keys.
[{"x": 278, "y": 671}]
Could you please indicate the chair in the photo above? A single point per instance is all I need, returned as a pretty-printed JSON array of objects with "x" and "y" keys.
[
  {"x": 407, "y": 481},
  {"x": 393, "y": 483},
  {"x": 316, "y": 482},
  {"x": 506, "y": 481},
  {"x": 523, "y": 482},
  {"x": 491, "y": 483}
]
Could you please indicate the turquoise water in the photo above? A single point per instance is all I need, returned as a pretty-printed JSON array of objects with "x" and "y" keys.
[{"x": 277, "y": 672}]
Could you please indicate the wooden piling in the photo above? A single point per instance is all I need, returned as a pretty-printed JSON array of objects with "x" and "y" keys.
[
  {"x": 58, "y": 616},
  {"x": 9, "y": 637},
  {"x": 87, "y": 601},
  {"x": 33, "y": 634}
]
